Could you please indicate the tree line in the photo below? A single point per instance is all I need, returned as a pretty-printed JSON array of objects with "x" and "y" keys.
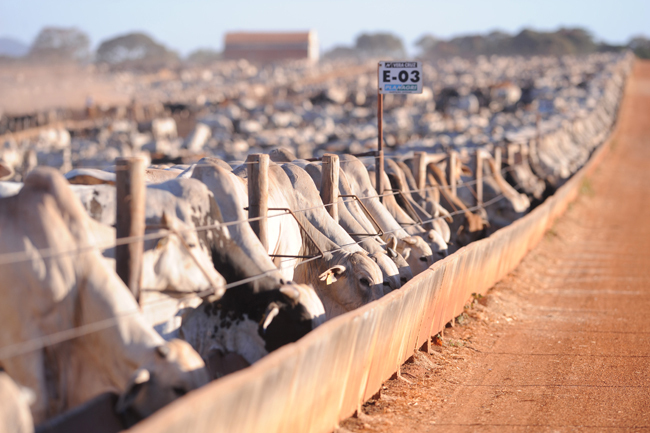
[
  {"x": 564, "y": 41},
  {"x": 140, "y": 51},
  {"x": 130, "y": 51}
]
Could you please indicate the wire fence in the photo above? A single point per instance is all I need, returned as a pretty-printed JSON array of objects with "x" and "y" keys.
[
  {"x": 21, "y": 348},
  {"x": 34, "y": 344},
  {"x": 12, "y": 258},
  {"x": 31, "y": 345}
]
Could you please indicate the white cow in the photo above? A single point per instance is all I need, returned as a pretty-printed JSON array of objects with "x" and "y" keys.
[
  {"x": 256, "y": 317},
  {"x": 164, "y": 129},
  {"x": 415, "y": 250},
  {"x": 114, "y": 349}
]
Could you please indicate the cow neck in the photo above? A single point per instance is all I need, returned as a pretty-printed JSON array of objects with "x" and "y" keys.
[{"x": 361, "y": 186}]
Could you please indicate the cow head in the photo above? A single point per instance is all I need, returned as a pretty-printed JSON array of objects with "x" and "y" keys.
[
  {"x": 353, "y": 281},
  {"x": 294, "y": 311},
  {"x": 176, "y": 263},
  {"x": 405, "y": 273},
  {"x": 437, "y": 244},
  {"x": 417, "y": 253},
  {"x": 244, "y": 326},
  {"x": 389, "y": 270},
  {"x": 174, "y": 370}
]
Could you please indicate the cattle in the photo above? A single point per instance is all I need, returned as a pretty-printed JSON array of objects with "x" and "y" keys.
[
  {"x": 398, "y": 182},
  {"x": 503, "y": 211},
  {"x": 254, "y": 318},
  {"x": 307, "y": 196},
  {"x": 467, "y": 225},
  {"x": 206, "y": 276},
  {"x": 520, "y": 173},
  {"x": 164, "y": 129},
  {"x": 405, "y": 182},
  {"x": 177, "y": 265},
  {"x": 198, "y": 137},
  {"x": 344, "y": 280},
  {"x": 415, "y": 250},
  {"x": 432, "y": 237},
  {"x": 77, "y": 290},
  {"x": 355, "y": 223}
]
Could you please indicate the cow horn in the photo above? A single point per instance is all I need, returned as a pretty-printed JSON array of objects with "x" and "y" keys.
[
  {"x": 391, "y": 252},
  {"x": 392, "y": 242},
  {"x": 271, "y": 311},
  {"x": 406, "y": 253}
]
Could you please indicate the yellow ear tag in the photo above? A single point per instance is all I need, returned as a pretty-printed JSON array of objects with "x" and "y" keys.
[{"x": 330, "y": 278}]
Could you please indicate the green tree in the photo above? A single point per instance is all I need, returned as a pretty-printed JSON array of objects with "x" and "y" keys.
[
  {"x": 380, "y": 44},
  {"x": 427, "y": 43},
  {"x": 57, "y": 44},
  {"x": 135, "y": 50},
  {"x": 641, "y": 47}
]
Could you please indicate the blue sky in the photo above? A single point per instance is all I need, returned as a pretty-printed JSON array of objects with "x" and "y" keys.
[{"x": 185, "y": 25}]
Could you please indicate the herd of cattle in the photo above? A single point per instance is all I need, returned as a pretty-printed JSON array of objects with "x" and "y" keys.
[{"x": 213, "y": 298}]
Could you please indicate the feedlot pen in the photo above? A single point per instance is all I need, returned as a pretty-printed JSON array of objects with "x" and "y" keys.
[{"x": 561, "y": 344}]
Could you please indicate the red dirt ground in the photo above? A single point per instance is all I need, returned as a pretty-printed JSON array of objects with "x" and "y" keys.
[{"x": 563, "y": 343}]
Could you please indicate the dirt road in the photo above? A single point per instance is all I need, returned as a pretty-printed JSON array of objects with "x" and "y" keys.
[{"x": 562, "y": 344}]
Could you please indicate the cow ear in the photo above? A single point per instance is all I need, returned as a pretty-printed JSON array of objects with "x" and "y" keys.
[
  {"x": 406, "y": 253},
  {"x": 330, "y": 275},
  {"x": 392, "y": 242}
]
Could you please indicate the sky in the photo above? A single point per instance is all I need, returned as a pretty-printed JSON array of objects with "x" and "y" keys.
[{"x": 185, "y": 25}]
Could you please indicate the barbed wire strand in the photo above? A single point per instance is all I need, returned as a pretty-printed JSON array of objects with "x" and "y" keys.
[{"x": 23, "y": 256}]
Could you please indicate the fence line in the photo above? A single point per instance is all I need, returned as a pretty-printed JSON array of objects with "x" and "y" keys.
[
  {"x": 9, "y": 258},
  {"x": 21, "y": 348}
]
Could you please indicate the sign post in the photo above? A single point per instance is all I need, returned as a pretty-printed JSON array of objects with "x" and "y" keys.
[{"x": 392, "y": 77}]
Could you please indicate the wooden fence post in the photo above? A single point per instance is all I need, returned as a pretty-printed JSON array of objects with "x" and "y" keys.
[
  {"x": 479, "y": 178},
  {"x": 329, "y": 188},
  {"x": 379, "y": 162},
  {"x": 453, "y": 169},
  {"x": 130, "y": 221},
  {"x": 420, "y": 170},
  {"x": 497, "y": 157},
  {"x": 258, "y": 194}
]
